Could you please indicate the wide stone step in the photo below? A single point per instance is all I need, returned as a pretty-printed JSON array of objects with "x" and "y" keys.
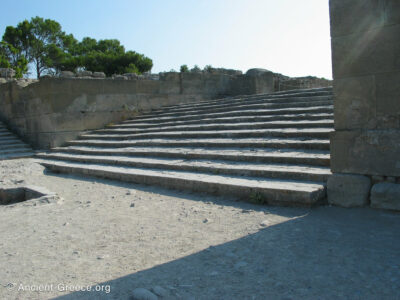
[
  {"x": 227, "y": 120},
  {"x": 16, "y": 155},
  {"x": 287, "y": 156},
  {"x": 251, "y": 103},
  {"x": 243, "y": 113},
  {"x": 14, "y": 145},
  {"x": 230, "y": 126},
  {"x": 282, "y": 171},
  {"x": 265, "y": 97},
  {"x": 297, "y": 143},
  {"x": 271, "y": 191},
  {"x": 285, "y": 133},
  {"x": 241, "y": 108},
  {"x": 14, "y": 150}
]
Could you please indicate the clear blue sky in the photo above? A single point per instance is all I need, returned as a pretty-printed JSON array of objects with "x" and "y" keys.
[{"x": 285, "y": 36}]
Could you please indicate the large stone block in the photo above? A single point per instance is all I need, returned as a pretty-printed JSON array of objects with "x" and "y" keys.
[
  {"x": 366, "y": 53},
  {"x": 355, "y": 103},
  {"x": 372, "y": 152},
  {"x": 386, "y": 195},
  {"x": 392, "y": 12},
  {"x": 348, "y": 190},
  {"x": 387, "y": 100},
  {"x": 352, "y": 16}
]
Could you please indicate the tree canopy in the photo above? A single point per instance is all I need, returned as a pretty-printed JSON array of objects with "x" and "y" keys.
[{"x": 42, "y": 43}]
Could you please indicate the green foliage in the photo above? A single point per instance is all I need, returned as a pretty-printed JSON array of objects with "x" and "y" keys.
[
  {"x": 257, "y": 198},
  {"x": 10, "y": 57},
  {"x": 43, "y": 43},
  {"x": 195, "y": 69},
  {"x": 184, "y": 69},
  {"x": 207, "y": 68}
]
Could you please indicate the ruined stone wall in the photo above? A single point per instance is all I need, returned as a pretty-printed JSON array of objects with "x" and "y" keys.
[
  {"x": 50, "y": 111},
  {"x": 365, "y": 147}
]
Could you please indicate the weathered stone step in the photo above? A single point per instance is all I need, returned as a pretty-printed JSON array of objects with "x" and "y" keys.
[
  {"x": 241, "y": 108},
  {"x": 16, "y": 155},
  {"x": 9, "y": 139},
  {"x": 243, "y": 113},
  {"x": 286, "y": 156},
  {"x": 14, "y": 145},
  {"x": 274, "y": 96},
  {"x": 299, "y": 132},
  {"x": 282, "y": 171},
  {"x": 297, "y": 143},
  {"x": 238, "y": 119},
  {"x": 6, "y": 134},
  {"x": 221, "y": 126},
  {"x": 15, "y": 150},
  {"x": 271, "y": 191},
  {"x": 250, "y": 103}
]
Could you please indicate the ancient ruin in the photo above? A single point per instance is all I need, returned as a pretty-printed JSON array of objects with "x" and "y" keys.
[{"x": 176, "y": 185}]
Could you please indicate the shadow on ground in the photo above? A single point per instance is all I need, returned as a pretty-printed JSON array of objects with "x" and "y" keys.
[{"x": 329, "y": 253}]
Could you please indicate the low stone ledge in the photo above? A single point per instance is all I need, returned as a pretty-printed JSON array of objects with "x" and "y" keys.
[
  {"x": 348, "y": 190},
  {"x": 386, "y": 195}
]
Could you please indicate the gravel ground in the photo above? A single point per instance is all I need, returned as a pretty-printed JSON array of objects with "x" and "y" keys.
[{"x": 120, "y": 239}]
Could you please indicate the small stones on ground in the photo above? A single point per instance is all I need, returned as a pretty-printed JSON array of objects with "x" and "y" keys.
[
  {"x": 160, "y": 291},
  {"x": 265, "y": 223},
  {"x": 143, "y": 294}
]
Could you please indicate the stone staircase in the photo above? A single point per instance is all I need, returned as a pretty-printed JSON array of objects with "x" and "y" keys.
[
  {"x": 11, "y": 146},
  {"x": 271, "y": 148}
]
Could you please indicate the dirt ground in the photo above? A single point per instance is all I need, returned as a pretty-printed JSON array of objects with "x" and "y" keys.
[{"x": 103, "y": 239}]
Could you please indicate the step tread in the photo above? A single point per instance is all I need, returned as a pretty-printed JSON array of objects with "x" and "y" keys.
[
  {"x": 212, "y": 164},
  {"x": 244, "y": 108},
  {"x": 319, "y": 116},
  {"x": 222, "y": 125},
  {"x": 200, "y": 150},
  {"x": 211, "y": 140},
  {"x": 199, "y": 133},
  {"x": 292, "y": 110},
  {"x": 275, "y": 184}
]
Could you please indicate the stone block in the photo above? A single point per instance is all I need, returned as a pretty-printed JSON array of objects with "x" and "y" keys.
[
  {"x": 392, "y": 12},
  {"x": 348, "y": 190},
  {"x": 99, "y": 75},
  {"x": 355, "y": 16},
  {"x": 67, "y": 74},
  {"x": 387, "y": 100},
  {"x": 370, "y": 152},
  {"x": 355, "y": 103},
  {"x": 366, "y": 53},
  {"x": 386, "y": 195}
]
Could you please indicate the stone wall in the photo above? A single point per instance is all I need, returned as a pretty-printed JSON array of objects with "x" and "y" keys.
[
  {"x": 365, "y": 147},
  {"x": 50, "y": 111}
]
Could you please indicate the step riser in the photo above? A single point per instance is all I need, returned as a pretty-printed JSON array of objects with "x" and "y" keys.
[
  {"x": 274, "y": 197},
  {"x": 244, "y": 108},
  {"x": 313, "y": 146},
  {"x": 327, "y": 109},
  {"x": 321, "y": 135},
  {"x": 203, "y": 169},
  {"x": 230, "y": 120},
  {"x": 219, "y": 127},
  {"x": 221, "y": 156},
  {"x": 237, "y": 105}
]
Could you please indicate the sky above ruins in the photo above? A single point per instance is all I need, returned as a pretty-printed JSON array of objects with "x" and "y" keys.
[{"x": 286, "y": 36}]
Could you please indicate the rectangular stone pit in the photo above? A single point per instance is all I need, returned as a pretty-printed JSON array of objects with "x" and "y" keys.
[{"x": 14, "y": 195}]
